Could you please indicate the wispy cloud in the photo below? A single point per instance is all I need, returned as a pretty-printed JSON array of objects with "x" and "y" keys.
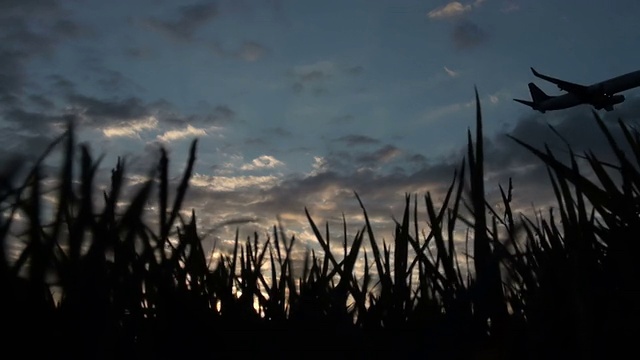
[
  {"x": 453, "y": 9},
  {"x": 313, "y": 75},
  {"x": 382, "y": 155},
  {"x": 262, "y": 162},
  {"x": 510, "y": 6},
  {"x": 190, "y": 18},
  {"x": 131, "y": 129},
  {"x": 318, "y": 76},
  {"x": 187, "y": 132},
  {"x": 354, "y": 140},
  {"x": 451, "y": 72},
  {"x": 449, "y": 10},
  {"x": 313, "y": 72}
]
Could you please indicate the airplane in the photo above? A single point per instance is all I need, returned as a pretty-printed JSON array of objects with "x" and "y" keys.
[{"x": 601, "y": 95}]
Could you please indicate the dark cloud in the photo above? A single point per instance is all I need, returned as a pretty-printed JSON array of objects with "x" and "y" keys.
[
  {"x": 342, "y": 119},
  {"x": 68, "y": 28},
  {"x": 112, "y": 81},
  {"x": 380, "y": 156},
  {"x": 354, "y": 140},
  {"x": 41, "y": 102},
  {"x": 12, "y": 77},
  {"x": 140, "y": 52},
  {"x": 355, "y": 70},
  {"x": 210, "y": 116},
  {"x": 467, "y": 34},
  {"x": 97, "y": 110},
  {"x": 61, "y": 85},
  {"x": 313, "y": 77},
  {"x": 190, "y": 18},
  {"x": 223, "y": 112},
  {"x": 34, "y": 122},
  {"x": 28, "y": 30},
  {"x": 297, "y": 87},
  {"x": 21, "y": 7},
  {"x": 279, "y": 132}
]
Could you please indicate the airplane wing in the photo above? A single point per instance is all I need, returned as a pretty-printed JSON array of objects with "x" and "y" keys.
[{"x": 563, "y": 85}]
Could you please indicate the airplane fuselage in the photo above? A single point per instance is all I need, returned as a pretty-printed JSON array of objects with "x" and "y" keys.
[
  {"x": 617, "y": 84},
  {"x": 559, "y": 102}
]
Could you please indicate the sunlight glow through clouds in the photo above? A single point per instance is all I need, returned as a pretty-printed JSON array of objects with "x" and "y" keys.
[
  {"x": 233, "y": 183},
  {"x": 189, "y": 131},
  {"x": 131, "y": 129}
]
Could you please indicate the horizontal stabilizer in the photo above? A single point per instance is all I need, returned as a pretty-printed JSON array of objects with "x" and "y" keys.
[
  {"x": 528, "y": 103},
  {"x": 531, "y": 104}
]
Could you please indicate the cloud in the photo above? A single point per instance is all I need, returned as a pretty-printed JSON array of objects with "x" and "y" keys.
[
  {"x": 510, "y": 6},
  {"x": 451, "y": 9},
  {"x": 314, "y": 75},
  {"x": 343, "y": 119},
  {"x": 262, "y": 162},
  {"x": 190, "y": 18},
  {"x": 251, "y": 51},
  {"x": 382, "y": 155},
  {"x": 467, "y": 34},
  {"x": 68, "y": 28},
  {"x": 138, "y": 52},
  {"x": 187, "y": 132},
  {"x": 32, "y": 121},
  {"x": 451, "y": 72},
  {"x": 355, "y": 70},
  {"x": 95, "y": 110},
  {"x": 328, "y": 190},
  {"x": 314, "y": 72},
  {"x": 209, "y": 115},
  {"x": 354, "y": 140},
  {"x": 233, "y": 183},
  {"x": 29, "y": 30},
  {"x": 131, "y": 129}
]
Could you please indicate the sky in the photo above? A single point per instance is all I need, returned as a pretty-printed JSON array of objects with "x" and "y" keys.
[{"x": 300, "y": 104}]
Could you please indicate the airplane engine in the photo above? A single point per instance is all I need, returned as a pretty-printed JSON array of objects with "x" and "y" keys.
[
  {"x": 616, "y": 99},
  {"x": 608, "y": 102}
]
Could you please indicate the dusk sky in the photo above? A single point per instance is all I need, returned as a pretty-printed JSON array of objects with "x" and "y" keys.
[{"x": 302, "y": 103}]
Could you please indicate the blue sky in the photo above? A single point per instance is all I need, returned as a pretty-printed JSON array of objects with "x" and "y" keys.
[{"x": 301, "y": 103}]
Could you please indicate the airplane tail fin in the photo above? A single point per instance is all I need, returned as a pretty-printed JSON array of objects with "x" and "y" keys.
[{"x": 537, "y": 95}]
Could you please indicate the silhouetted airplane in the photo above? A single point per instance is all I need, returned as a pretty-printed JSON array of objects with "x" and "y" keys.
[{"x": 600, "y": 95}]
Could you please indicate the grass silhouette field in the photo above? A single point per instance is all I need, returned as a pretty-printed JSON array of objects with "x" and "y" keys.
[{"x": 563, "y": 284}]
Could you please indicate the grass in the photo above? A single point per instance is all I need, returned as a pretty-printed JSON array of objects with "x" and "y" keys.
[{"x": 103, "y": 281}]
